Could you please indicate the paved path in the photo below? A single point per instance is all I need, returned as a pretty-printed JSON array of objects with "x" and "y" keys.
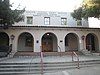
[{"x": 94, "y": 70}]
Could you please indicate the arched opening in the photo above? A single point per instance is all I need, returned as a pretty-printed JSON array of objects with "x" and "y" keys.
[
  {"x": 49, "y": 43},
  {"x": 4, "y": 44},
  {"x": 92, "y": 42},
  {"x": 25, "y": 42},
  {"x": 71, "y": 42},
  {"x": 4, "y": 39}
]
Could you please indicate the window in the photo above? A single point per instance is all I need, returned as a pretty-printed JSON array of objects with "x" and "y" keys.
[
  {"x": 79, "y": 23},
  {"x": 63, "y": 21},
  {"x": 47, "y": 20},
  {"x": 29, "y": 20}
]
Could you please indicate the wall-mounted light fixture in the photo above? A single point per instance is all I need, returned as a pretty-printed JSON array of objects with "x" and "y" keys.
[
  {"x": 48, "y": 34},
  {"x": 83, "y": 37},
  {"x": 12, "y": 37}
]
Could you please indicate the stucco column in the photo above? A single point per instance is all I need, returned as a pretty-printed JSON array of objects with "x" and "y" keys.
[
  {"x": 37, "y": 44},
  {"x": 61, "y": 45},
  {"x": 84, "y": 42},
  {"x": 99, "y": 41},
  {"x": 80, "y": 46},
  {"x": 13, "y": 44}
]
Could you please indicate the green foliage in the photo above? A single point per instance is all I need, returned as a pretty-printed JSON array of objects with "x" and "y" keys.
[
  {"x": 77, "y": 14},
  {"x": 89, "y": 8},
  {"x": 9, "y": 16}
]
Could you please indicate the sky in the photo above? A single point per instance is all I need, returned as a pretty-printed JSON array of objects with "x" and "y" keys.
[{"x": 47, "y": 5}]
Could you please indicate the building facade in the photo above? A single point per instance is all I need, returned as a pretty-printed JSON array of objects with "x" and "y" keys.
[
  {"x": 46, "y": 18},
  {"x": 51, "y": 32}
]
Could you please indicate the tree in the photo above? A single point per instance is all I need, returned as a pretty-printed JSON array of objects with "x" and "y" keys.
[
  {"x": 9, "y": 16},
  {"x": 89, "y": 8},
  {"x": 77, "y": 14}
]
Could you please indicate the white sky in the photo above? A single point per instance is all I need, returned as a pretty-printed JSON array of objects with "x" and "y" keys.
[{"x": 47, "y": 5}]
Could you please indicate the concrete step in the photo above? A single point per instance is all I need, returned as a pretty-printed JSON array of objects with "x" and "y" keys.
[
  {"x": 24, "y": 73},
  {"x": 86, "y": 52},
  {"x": 32, "y": 72},
  {"x": 35, "y": 68},
  {"x": 37, "y": 54}
]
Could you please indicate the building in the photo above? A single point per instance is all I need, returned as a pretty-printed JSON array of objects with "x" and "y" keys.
[
  {"x": 94, "y": 22},
  {"x": 51, "y": 32}
]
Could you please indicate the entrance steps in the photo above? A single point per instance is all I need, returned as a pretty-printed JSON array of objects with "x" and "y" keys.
[
  {"x": 36, "y": 54},
  {"x": 29, "y": 68},
  {"x": 86, "y": 52}
]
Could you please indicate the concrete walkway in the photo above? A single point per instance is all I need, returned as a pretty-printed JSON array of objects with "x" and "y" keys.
[{"x": 94, "y": 70}]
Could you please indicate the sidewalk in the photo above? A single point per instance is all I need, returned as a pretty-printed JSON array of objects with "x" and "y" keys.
[{"x": 94, "y": 70}]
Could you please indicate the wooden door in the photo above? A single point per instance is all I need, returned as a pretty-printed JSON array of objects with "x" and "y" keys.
[{"x": 47, "y": 45}]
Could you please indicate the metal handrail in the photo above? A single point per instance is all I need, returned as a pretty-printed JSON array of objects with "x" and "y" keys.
[
  {"x": 30, "y": 65},
  {"x": 74, "y": 53},
  {"x": 41, "y": 56},
  {"x": 60, "y": 50}
]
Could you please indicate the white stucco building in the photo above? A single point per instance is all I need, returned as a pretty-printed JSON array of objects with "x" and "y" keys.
[
  {"x": 94, "y": 22},
  {"x": 53, "y": 32}
]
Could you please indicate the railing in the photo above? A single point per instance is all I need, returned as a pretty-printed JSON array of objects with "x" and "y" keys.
[
  {"x": 60, "y": 50},
  {"x": 41, "y": 56},
  {"x": 5, "y": 50},
  {"x": 74, "y": 53},
  {"x": 30, "y": 65},
  {"x": 9, "y": 53}
]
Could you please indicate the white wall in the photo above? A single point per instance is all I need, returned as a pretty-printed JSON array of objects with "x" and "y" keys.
[
  {"x": 94, "y": 22},
  {"x": 55, "y": 19},
  {"x": 60, "y": 33}
]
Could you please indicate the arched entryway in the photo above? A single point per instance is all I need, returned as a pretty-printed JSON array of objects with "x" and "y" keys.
[
  {"x": 71, "y": 42},
  {"x": 92, "y": 42},
  {"x": 25, "y": 42},
  {"x": 49, "y": 42},
  {"x": 4, "y": 42},
  {"x": 4, "y": 39}
]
